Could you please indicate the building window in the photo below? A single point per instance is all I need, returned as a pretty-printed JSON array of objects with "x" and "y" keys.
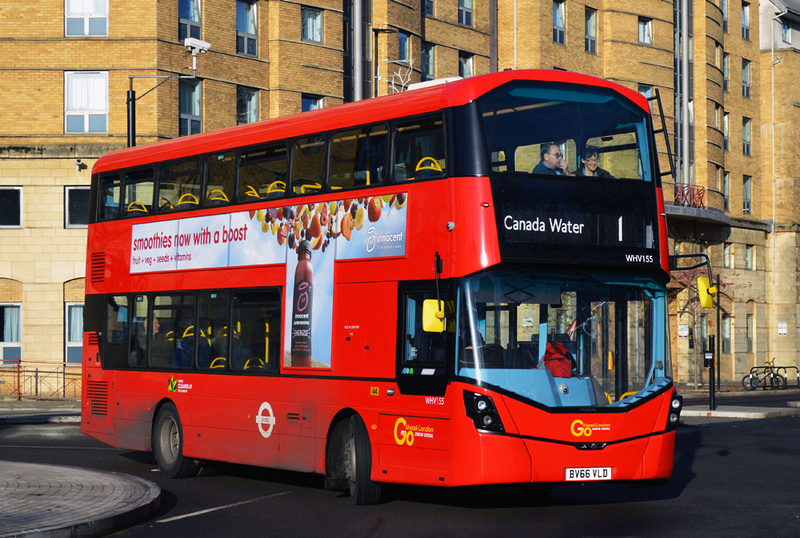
[
  {"x": 86, "y": 96},
  {"x": 746, "y": 78},
  {"x": 726, "y": 67},
  {"x": 727, "y": 255},
  {"x": 726, "y": 190},
  {"x": 749, "y": 257},
  {"x": 751, "y": 331},
  {"x": 246, "y": 27},
  {"x": 10, "y": 207},
  {"x": 10, "y": 334},
  {"x": 428, "y": 66},
  {"x": 311, "y": 102},
  {"x": 311, "y": 20},
  {"x": 73, "y": 321},
  {"x": 191, "y": 106},
  {"x": 591, "y": 30},
  {"x": 746, "y": 136},
  {"x": 465, "y": 12},
  {"x": 76, "y": 210},
  {"x": 746, "y": 193},
  {"x": 786, "y": 32},
  {"x": 402, "y": 46},
  {"x": 745, "y": 21},
  {"x": 246, "y": 105},
  {"x": 188, "y": 19},
  {"x": 428, "y": 7},
  {"x": 645, "y": 31},
  {"x": 725, "y": 16},
  {"x": 725, "y": 130},
  {"x": 717, "y": 111},
  {"x": 87, "y": 18},
  {"x": 465, "y": 65},
  {"x": 559, "y": 22},
  {"x": 726, "y": 333}
]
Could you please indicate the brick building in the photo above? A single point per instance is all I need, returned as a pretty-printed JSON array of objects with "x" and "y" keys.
[{"x": 67, "y": 66}]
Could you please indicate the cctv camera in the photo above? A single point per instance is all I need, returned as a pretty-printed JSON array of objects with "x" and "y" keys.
[
  {"x": 78, "y": 162},
  {"x": 196, "y": 46}
]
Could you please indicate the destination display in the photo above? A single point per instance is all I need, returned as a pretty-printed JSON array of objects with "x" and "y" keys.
[{"x": 568, "y": 221}]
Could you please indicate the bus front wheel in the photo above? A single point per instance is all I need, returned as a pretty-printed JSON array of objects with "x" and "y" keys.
[
  {"x": 358, "y": 463},
  {"x": 168, "y": 444}
]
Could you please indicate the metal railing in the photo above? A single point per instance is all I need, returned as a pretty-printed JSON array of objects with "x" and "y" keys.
[
  {"x": 39, "y": 380},
  {"x": 691, "y": 195}
]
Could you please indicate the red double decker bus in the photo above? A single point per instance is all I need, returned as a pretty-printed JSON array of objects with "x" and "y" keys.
[{"x": 391, "y": 291}]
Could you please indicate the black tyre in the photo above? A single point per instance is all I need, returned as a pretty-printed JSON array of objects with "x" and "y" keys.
[
  {"x": 358, "y": 463},
  {"x": 168, "y": 444},
  {"x": 779, "y": 382},
  {"x": 749, "y": 382}
]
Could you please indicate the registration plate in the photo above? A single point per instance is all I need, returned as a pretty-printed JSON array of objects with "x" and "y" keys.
[{"x": 588, "y": 473}]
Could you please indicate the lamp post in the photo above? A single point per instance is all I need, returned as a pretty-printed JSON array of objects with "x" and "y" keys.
[
  {"x": 375, "y": 33},
  {"x": 195, "y": 47}
]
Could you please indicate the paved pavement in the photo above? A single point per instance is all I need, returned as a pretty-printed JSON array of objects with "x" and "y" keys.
[{"x": 54, "y": 501}]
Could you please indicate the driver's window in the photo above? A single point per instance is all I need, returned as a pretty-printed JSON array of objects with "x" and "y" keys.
[{"x": 420, "y": 346}]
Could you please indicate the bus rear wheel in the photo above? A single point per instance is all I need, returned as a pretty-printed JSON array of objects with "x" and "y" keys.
[
  {"x": 168, "y": 444},
  {"x": 358, "y": 464}
]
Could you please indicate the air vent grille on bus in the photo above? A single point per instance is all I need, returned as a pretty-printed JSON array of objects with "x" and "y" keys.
[
  {"x": 98, "y": 266},
  {"x": 97, "y": 393},
  {"x": 93, "y": 339}
]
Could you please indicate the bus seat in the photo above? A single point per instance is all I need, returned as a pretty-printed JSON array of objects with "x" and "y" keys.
[
  {"x": 188, "y": 198},
  {"x": 136, "y": 206},
  {"x": 219, "y": 362}
]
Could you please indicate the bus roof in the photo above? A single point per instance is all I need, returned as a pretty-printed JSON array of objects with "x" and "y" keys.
[{"x": 407, "y": 103}]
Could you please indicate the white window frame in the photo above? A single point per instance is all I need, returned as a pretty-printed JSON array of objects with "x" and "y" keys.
[
  {"x": 727, "y": 255},
  {"x": 316, "y": 102},
  {"x": 726, "y": 68},
  {"x": 749, "y": 257},
  {"x": 560, "y": 22},
  {"x": 308, "y": 33},
  {"x": 403, "y": 46},
  {"x": 191, "y": 27},
  {"x": 465, "y": 13},
  {"x": 746, "y": 68},
  {"x": 87, "y": 12},
  {"x": 246, "y": 36},
  {"x": 76, "y": 106},
  {"x": 726, "y": 190},
  {"x": 67, "y": 190},
  {"x": 190, "y": 116},
  {"x": 251, "y": 97},
  {"x": 645, "y": 31},
  {"x": 746, "y": 21},
  {"x": 21, "y": 206},
  {"x": 747, "y": 133},
  {"x": 12, "y": 344},
  {"x": 72, "y": 344},
  {"x": 786, "y": 32},
  {"x": 747, "y": 193},
  {"x": 591, "y": 30}
]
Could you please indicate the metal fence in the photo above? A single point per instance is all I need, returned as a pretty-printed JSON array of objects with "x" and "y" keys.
[{"x": 39, "y": 380}]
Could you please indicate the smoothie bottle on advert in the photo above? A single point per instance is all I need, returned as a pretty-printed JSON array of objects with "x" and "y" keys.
[{"x": 301, "y": 310}]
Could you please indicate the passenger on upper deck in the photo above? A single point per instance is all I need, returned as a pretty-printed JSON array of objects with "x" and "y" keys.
[
  {"x": 589, "y": 164},
  {"x": 551, "y": 162}
]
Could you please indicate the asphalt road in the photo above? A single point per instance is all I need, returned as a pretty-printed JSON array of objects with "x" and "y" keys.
[{"x": 731, "y": 478}]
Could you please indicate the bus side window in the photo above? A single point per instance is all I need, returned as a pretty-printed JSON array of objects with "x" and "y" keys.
[
  {"x": 219, "y": 178},
  {"x": 308, "y": 164},
  {"x": 175, "y": 332},
  {"x": 140, "y": 332},
  {"x": 254, "y": 342},
  {"x": 139, "y": 190},
  {"x": 110, "y": 194},
  {"x": 419, "y": 150},
  {"x": 115, "y": 346},
  {"x": 212, "y": 310},
  {"x": 420, "y": 346},
  {"x": 262, "y": 173},
  {"x": 179, "y": 185},
  {"x": 357, "y": 157}
]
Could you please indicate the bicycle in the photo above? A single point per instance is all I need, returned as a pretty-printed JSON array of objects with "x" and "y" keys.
[{"x": 761, "y": 376}]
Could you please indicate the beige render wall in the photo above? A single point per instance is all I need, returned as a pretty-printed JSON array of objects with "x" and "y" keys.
[{"x": 41, "y": 257}]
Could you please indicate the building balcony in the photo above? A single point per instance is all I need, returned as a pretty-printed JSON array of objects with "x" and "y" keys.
[{"x": 696, "y": 211}]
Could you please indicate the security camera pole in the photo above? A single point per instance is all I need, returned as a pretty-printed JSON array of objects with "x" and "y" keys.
[{"x": 195, "y": 47}]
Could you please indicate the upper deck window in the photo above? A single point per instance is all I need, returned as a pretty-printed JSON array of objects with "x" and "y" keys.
[
  {"x": 419, "y": 150},
  {"x": 138, "y": 192},
  {"x": 358, "y": 157},
  {"x": 179, "y": 185},
  {"x": 262, "y": 173},
  {"x": 522, "y": 117}
]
